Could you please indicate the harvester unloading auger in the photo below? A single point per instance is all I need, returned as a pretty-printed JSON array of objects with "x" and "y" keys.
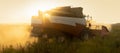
[{"x": 66, "y": 19}]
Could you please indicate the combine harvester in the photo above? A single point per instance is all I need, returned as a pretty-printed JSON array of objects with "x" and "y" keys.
[{"x": 66, "y": 19}]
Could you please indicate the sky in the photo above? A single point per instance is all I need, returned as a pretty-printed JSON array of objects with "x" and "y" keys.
[{"x": 20, "y": 11}]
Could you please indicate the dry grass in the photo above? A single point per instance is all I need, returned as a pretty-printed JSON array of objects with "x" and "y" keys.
[{"x": 55, "y": 42}]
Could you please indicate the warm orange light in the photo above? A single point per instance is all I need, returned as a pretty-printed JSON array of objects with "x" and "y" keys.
[
  {"x": 47, "y": 15},
  {"x": 45, "y": 7}
]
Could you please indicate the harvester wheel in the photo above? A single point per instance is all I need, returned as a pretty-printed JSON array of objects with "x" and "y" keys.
[{"x": 85, "y": 34}]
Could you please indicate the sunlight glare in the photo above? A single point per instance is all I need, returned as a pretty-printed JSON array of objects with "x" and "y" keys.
[
  {"x": 33, "y": 10},
  {"x": 47, "y": 15},
  {"x": 46, "y": 6},
  {"x": 35, "y": 7}
]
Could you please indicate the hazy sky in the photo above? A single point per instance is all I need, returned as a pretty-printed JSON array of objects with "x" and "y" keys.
[{"x": 17, "y": 11}]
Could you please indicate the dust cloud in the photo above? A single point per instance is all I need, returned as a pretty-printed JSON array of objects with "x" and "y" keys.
[{"x": 15, "y": 35}]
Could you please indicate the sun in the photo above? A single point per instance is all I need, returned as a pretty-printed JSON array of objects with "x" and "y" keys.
[
  {"x": 33, "y": 10},
  {"x": 45, "y": 8},
  {"x": 41, "y": 6}
]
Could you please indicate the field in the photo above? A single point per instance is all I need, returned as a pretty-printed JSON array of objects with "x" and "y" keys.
[{"x": 52, "y": 41}]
